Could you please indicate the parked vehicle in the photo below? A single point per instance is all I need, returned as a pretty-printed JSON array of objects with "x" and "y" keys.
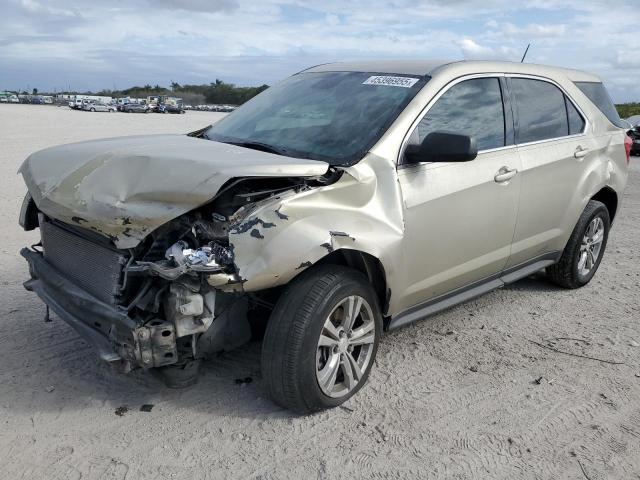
[
  {"x": 169, "y": 108},
  {"x": 135, "y": 108},
  {"x": 347, "y": 200},
  {"x": 634, "y": 133},
  {"x": 95, "y": 107}
]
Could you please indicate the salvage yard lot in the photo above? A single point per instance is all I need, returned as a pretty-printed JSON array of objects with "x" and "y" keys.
[{"x": 468, "y": 393}]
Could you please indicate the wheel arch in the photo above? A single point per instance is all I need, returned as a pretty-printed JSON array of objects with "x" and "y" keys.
[
  {"x": 609, "y": 197},
  {"x": 365, "y": 263}
]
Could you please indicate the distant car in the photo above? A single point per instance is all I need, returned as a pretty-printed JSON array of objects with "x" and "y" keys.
[
  {"x": 135, "y": 108},
  {"x": 162, "y": 108},
  {"x": 634, "y": 120},
  {"x": 4, "y": 100},
  {"x": 96, "y": 107},
  {"x": 76, "y": 104},
  {"x": 634, "y": 133}
]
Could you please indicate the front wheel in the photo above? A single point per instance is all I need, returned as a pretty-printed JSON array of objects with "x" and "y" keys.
[
  {"x": 585, "y": 248},
  {"x": 321, "y": 340}
]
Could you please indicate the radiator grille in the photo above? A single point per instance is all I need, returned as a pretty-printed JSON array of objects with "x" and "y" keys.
[{"x": 89, "y": 265}]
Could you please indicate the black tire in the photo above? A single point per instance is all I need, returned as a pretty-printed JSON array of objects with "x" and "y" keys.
[
  {"x": 565, "y": 273},
  {"x": 289, "y": 361},
  {"x": 93, "y": 109}
]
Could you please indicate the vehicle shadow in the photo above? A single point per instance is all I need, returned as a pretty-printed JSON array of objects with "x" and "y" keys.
[
  {"x": 63, "y": 372},
  {"x": 57, "y": 371},
  {"x": 534, "y": 283}
]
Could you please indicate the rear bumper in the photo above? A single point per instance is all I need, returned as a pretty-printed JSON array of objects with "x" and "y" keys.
[{"x": 115, "y": 336}]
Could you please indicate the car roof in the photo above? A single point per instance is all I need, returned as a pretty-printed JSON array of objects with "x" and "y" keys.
[
  {"x": 634, "y": 120},
  {"x": 460, "y": 67}
]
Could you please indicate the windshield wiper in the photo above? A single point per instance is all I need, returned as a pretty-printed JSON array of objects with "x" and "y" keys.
[{"x": 264, "y": 147}]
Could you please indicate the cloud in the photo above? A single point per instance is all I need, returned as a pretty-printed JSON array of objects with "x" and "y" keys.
[
  {"x": 197, "y": 5},
  {"x": 94, "y": 44},
  {"x": 35, "y": 7},
  {"x": 471, "y": 49},
  {"x": 474, "y": 51},
  {"x": 534, "y": 30}
]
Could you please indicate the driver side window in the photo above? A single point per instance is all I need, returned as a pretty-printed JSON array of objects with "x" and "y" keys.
[{"x": 472, "y": 107}]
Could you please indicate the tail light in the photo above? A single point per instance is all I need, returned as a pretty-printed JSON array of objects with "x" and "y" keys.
[{"x": 628, "y": 143}]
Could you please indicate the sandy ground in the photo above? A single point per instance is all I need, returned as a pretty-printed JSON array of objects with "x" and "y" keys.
[{"x": 454, "y": 396}]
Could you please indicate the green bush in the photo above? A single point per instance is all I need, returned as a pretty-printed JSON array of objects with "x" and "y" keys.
[
  {"x": 218, "y": 92},
  {"x": 625, "y": 110}
]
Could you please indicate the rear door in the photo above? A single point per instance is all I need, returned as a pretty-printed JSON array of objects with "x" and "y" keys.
[
  {"x": 554, "y": 149},
  {"x": 460, "y": 217}
]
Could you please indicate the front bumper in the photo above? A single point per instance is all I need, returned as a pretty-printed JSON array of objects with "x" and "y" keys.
[{"x": 116, "y": 336}]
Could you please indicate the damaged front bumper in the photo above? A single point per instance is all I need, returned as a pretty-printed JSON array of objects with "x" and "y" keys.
[{"x": 117, "y": 338}]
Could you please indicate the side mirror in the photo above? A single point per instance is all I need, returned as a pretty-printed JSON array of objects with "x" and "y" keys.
[{"x": 443, "y": 147}]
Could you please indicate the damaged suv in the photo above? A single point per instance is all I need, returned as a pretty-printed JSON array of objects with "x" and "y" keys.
[{"x": 347, "y": 200}]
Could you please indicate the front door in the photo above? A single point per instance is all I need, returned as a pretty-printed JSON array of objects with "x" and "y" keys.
[{"x": 460, "y": 217}]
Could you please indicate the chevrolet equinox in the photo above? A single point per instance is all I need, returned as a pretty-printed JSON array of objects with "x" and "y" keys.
[{"x": 346, "y": 200}]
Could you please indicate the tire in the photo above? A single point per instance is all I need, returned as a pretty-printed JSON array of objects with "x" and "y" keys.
[
  {"x": 293, "y": 361},
  {"x": 93, "y": 109},
  {"x": 567, "y": 272}
]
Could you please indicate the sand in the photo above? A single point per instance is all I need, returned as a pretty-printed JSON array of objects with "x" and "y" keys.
[{"x": 464, "y": 394}]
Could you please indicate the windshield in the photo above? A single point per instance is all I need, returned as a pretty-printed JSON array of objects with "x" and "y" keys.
[{"x": 331, "y": 116}]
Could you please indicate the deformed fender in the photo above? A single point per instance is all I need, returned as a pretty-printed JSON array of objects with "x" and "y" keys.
[{"x": 284, "y": 235}]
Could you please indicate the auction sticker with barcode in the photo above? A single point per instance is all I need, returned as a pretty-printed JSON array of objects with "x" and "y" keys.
[{"x": 406, "y": 82}]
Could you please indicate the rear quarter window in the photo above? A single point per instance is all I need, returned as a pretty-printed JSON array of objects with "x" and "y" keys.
[
  {"x": 576, "y": 122},
  {"x": 597, "y": 93}
]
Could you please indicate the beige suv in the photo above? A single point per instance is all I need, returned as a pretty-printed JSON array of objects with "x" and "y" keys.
[{"x": 346, "y": 200}]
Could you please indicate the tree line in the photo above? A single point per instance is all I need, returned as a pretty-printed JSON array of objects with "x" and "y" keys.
[
  {"x": 625, "y": 110},
  {"x": 217, "y": 92}
]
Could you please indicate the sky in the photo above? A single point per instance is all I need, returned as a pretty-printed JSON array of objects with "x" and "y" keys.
[{"x": 114, "y": 44}]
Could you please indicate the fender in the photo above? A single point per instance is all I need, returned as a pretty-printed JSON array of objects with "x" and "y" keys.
[{"x": 282, "y": 236}]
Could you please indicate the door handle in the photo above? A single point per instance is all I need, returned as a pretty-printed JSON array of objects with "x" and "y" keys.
[
  {"x": 505, "y": 174},
  {"x": 581, "y": 152}
]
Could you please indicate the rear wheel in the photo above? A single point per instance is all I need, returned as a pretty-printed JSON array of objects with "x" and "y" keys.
[
  {"x": 321, "y": 340},
  {"x": 585, "y": 248}
]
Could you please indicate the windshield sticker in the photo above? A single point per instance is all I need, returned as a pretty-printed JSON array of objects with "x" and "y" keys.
[{"x": 405, "y": 82}]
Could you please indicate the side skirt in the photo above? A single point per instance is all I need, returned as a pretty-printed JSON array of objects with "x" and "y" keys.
[{"x": 468, "y": 292}]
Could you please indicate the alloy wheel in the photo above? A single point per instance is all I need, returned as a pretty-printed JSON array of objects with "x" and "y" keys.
[
  {"x": 591, "y": 246},
  {"x": 345, "y": 347}
]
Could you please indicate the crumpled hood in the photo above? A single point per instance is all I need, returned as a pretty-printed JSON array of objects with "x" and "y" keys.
[{"x": 126, "y": 187}]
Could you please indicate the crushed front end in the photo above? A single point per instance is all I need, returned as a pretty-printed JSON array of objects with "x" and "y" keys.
[
  {"x": 135, "y": 251},
  {"x": 147, "y": 307}
]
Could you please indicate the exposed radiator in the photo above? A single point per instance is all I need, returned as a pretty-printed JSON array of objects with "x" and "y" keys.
[{"x": 91, "y": 266}]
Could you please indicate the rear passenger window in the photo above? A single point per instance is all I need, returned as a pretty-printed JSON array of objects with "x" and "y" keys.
[
  {"x": 542, "y": 113},
  {"x": 472, "y": 107},
  {"x": 576, "y": 122}
]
